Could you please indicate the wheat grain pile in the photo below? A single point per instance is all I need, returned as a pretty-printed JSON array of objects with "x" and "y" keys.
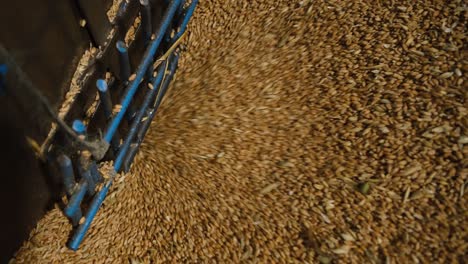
[{"x": 297, "y": 131}]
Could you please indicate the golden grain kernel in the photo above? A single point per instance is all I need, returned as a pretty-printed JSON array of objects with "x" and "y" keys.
[
  {"x": 116, "y": 108},
  {"x": 82, "y": 22}
]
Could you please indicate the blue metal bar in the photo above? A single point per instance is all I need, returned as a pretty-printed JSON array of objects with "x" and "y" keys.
[
  {"x": 73, "y": 207},
  {"x": 66, "y": 168},
  {"x": 145, "y": 126},
  {"x": 86, "y": 175},
  {"x": 96, "y": 175},
  {"x": 83, "y": 168},
  {"x": 75, "y": 218},
  {"x": 105, "y": 98},
  {"x": 130, "y": 156},
  {"x": 136, "y": 123},
  {"x": 166, "y": 85},
  {"x": 93, "y": 208},
  {"x": 124, "y": 61},
  {"x": 79, "y": 127},
  {"x": 178, "y": 17},
  {"x": 73, "y": 210},
  {"x": 147, "y": 60},
  {"x": 100, "y": 196},
  {"x": 145, "y": 11},
  {"x": 176, "y": 21},
  {"x": 120, "y": 21},
  {"x": 180, "y": 10},
  {"x": 188, "y": 15},
  {"x": 106, "y": 102}
]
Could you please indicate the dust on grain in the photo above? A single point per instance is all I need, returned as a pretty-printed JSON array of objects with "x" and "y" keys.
[{"x": 297, "y": 131}]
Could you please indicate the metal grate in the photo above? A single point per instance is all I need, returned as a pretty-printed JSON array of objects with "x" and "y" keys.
[{"x": 137, "y": 107}]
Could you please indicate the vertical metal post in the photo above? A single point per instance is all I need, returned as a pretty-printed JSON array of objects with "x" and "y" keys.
[
  {"x": 186, "y": 19},
  {"x": 124, "y": 61},
  {"x": 120, "y": 19},
  {"x": 79, "y": 127},
  {"x": 85, "y": 173},
  {"x": 93, "y": 168},
  {"x": 179, "y": 13},
  {"x": 145, "y": 11},
  {"x": 84, "y": 160},
  {"x": 125, "y": 70},
  {"x": 147, "y": 30},
  {"x": 73, "y": 210},
  {"x": 66, "y": 168},
  {"x": 104, "y": 96}
]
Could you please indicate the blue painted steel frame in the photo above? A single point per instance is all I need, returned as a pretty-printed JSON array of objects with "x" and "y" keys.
[
  {"x": 148, "y": 58},
  {"x": 143, "y": 126},
  {"x": 137, "y": 128}
]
